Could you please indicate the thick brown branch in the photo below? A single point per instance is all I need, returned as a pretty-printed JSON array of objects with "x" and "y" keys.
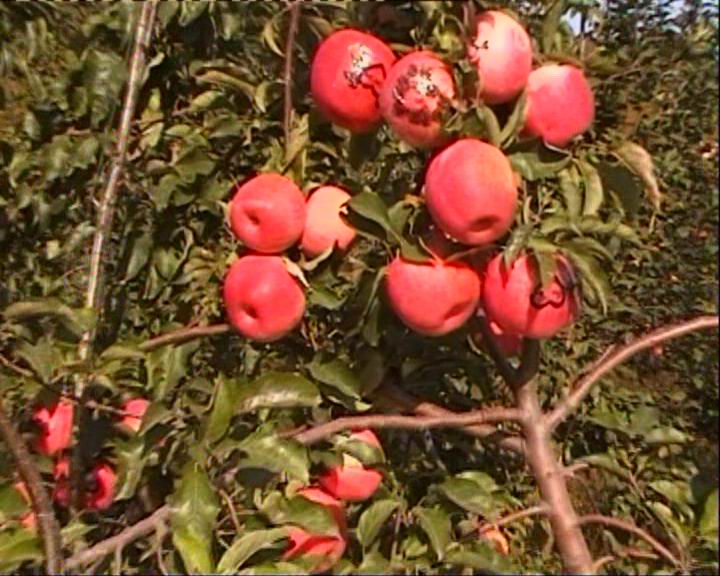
[
  {"x": 183, "y": 335},
  {"x": 633, "y": 529},
  {"x": 49, "y": 528},
  {"x": 616, "y": 356},
  {"x": 287, "y": 73},
  {"x": 322, "y": 431},
  {"x": 134, "y": 532},
  {"x": 391, "y": 397}
]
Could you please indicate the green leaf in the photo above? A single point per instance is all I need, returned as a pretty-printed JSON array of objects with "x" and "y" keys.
[
  {"x": 336, "y": 374},
  {"x": 276, "y": 454},
  {"x": 43, "y": 357},
  {"x": 550, "y": 24},
  {"x": 370, "y": 206},
  {"x": 223, "y": 408},
  {"x": 373, "y": 519},
  {"x": 708, "y": 524},
  {"x": 568, "y": 179},
  {"x": 300, "y": 511},
  {"x": 12, "y": 504},
  {"x": 640, "y": 162},
  {"x": 490, "y": 122},
  {"x": 592, "y": 275},
  {"x": 534, "y": 165},
  {"x": 469, "y": 495},
  {"x": 373, "y": 563},
  {"x": 515, "y": 121},
  {"x": 480, "y": 556},
  {"x": 166, "y": 366},
  {"x": 139, "y": 256},
  {"x": 246, "y": 545},
  {"x": 436, "y": 524},
  {"x": 622, "y": 184},
  {"x": 104, "y": 75},
  {"x": 594, "y": 194},
  {"x": 18, "y": 546},
  {"x": 191, "y": 11},
  {"x": 666, "y": 435},
  {"x": 130, "y": 460},
  {"x": 517, "y": 242},
  {"x": 76, "y": 321},
  {"x": 278, "y": 390},
  {"x": 195, "y": 508}
]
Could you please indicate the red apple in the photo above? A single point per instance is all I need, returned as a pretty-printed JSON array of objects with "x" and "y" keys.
[
  {"x": 560, "y": 104},
  {"x": 263, "y": 301},
  {"x": 61, "y": 474},
  {"x": 56, "y": 423},
  {"x": 351, "y": 482},
  {"x": 493, "y": 536},
  {"x": 502, "y": 52},
  {"x": 509, "y": 344},
  {"x": 514, "y": 299},
  {"x": 471, "y": 192},
  {"x": 346, "y": 74},
  {"x": 415, "y": 96},
  {"x": 267, "y": 213},
  {"x": 325, "y": 551},
  {"x": 134, "y": 410},
  {"x": 367, "y": 436},
  {"x": 432, "y": 298},
  {"x": 319, "y": 496},
  {"x": 324, "y": 225},
  {"x": 105, "y": 480}
]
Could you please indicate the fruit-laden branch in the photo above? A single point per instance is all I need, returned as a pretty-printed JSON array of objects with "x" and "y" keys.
[
  {"x": 49, "y": 528},
  {"x": 389, "y": 396},
  {"x": 487, "y": 415},
  {"x": 287, "y": 73},
  {"x": 616, "y": 356},
  {"x": 633, "y": 529},
  {"x": 130, "y": 534}
]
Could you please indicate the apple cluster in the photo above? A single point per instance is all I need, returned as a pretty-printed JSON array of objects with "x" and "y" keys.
[
  {"x": 349, "y": 482},
  {"x": 470, "y": 189},
  {"x": 54, "y": 438}
]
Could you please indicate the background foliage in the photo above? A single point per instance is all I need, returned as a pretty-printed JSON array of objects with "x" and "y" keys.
[{"x": 211, "y": 116}]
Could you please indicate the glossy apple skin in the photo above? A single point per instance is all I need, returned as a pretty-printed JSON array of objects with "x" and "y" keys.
[
  {"x": 560, "y": 104},
  {"x": 324, "y": 225},
  {"x": 100, "y": 497},
  {"x": 56, "y": 423},
  {"x": 262, "y": 300},
  {"x": 514, "y": 300},
  {"x": 471, "y": 192},
  {"x": 415, "y": 96},
  {"x": 134, "y": 410},
  {"x": 368, "y": 436},
  {"x": 432, "y": 298},
  {"x": 351, "y": 483},
  {"x": 346, "y": 74},
  {"x": 267, "y": 213},
  {"x": 502, "y": 52}
]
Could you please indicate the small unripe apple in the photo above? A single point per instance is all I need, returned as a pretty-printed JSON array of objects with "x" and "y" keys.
[
  {"x": 432, "y": 298},
  {"x": 560, "y": 104},
  {"x": 267, "y": 213},
  {"x": 56, "y": 423},
  {"x": 414, "y": 97},
  {"x": 134, "y": 410},
  {"x": 514, "y": 299},
  {"x": 324, "y": 226},
  {"x": 471, "y": 192},
  {"x": 262, "y": 299},
  {"x": 346, "y": 74},
  {"x": 502, "y": 52}
]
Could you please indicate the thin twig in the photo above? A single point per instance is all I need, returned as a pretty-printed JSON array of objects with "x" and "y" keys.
[
  {"x": 393, "y": 397},
  {"x": 600, "y": 562},
  {"x": 493, "y": 414},
  {"x": 49, "y": 528},
  {"x": 520, "y": 514},
  {"x": 287, "y": 74},
  {"x": 134, "y": 532},
  {"x": 608, "y": 361},
  {"x": 633, "y": 529},
  {"x": 19, "y": 370},
  {"x": 183, "y": 335}
]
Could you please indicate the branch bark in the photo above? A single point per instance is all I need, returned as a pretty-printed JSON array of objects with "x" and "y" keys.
[
  {"x": 41, "y": 504},
  {"x": 392, "y": 397},
  {"x": 494, "y": 414},
  {"x": 183, "y": 335},
  {"x": 633, "y": 529},
  {"x": 615, "y": 356},
  {"x": 288, "y": 71},
  {"x": 134, "y": 532}
]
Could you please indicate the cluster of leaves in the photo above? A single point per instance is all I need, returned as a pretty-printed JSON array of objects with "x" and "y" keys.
[{"x": 210, "y": 115}]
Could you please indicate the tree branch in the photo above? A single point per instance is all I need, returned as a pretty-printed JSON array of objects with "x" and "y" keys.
[
  {"x": 287, "y": 73},
  {"x": 322, "y": 431},
  {"x": 41, "y": 504},
  {"x": 633, "y": 529},
  {"x": 615, "y": 356},
  {"x": 134, "y": 532},
  {"x": 393, "y": 397},
  {"x": 520, "y": 514},
  {"x": 183, "y": 335}
]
